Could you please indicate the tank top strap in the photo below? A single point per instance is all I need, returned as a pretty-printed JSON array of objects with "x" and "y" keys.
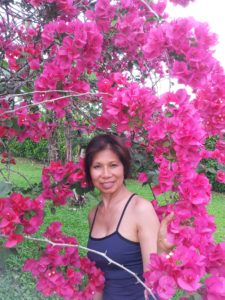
[
  {"x": 125, "y": 207},
  {"x": 92, "y": 225}
]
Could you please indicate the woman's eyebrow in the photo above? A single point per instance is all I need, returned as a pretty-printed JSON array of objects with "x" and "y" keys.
[{"x": 111, "y": 161}]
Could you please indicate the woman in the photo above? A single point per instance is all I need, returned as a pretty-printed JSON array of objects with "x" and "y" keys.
[{"x": 123, "y": 225}]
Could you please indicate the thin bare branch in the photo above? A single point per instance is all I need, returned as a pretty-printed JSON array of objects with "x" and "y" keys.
[
  {"x": 169, "y": 69},
  {"x": 153, "y": 194},
  {"x": 110, "y": 261},
  {"x": 3, "y": 175},
  {"x": 20, "y": 174},
  {"x": 49, "y": 101},
  {"x": 151, "y": 10}
]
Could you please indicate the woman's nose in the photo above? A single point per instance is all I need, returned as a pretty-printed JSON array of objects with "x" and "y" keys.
[{"x": 106, "y": 172}]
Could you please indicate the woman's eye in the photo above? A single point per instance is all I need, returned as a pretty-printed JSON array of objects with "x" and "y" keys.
[
  {"x": 96, "y": 167},
  {"x": 114, "y": 165}
]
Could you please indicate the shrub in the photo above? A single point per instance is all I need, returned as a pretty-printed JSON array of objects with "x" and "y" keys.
[
  {"x": 30, "y": 149},
  {"x": 211, "y": 166}
]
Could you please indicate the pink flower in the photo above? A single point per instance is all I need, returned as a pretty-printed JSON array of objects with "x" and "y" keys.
[
  {"x": 181, "y": 2},
  {"x": 215, "y": 288},
  {"x": 166, "y": 288},
  {"x": 142, "y": 177},
  {"x": 188, "y": 280},
  {"x": 8, "y": 218},
  {"x": 216, "y": 260},
  {"x": 130, "y": 37},
  {"x": 53, "y": 230},
  {"x": 166, "y": 176},
  {"x": 220, "y": 176},
  {"x": 103, "y": 14},
  {"x": 13, "y": 240},
  {"x": 155, "y": 45},
  {"x": 34, "y": 64}
]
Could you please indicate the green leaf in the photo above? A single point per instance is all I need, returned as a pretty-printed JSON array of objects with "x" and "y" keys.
[
  {"x": 166, "y": 144},
  {"x": 152, "y": 173},
  {"x": 19, "y": 228},
  {"x": 12, "y": 123},
  {"x": 155, "y": 179},
  {"x": 26, "y": 89},
  {"x": 221, "y": 167},
  {"x": 9, "y": 123},
  {"x": 151, "y": 19},
  {"x": 168, "y": 115},
  {"x": 5, "y": 188},
  {"x": 196, "y": 297},
  {"x": 53, "y": 210},
  {"x": 211, "y": 170},
  {"x": 113, "y": 23},
  {"x": 4, "y": 64},
  {"x": 92, "y": 77},
  {"x": 200, "y": 168}
]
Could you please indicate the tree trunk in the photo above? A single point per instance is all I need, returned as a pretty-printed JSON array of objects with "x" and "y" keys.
[
  {"x": 69, "y": 148},
  {"x": 68, "y": 138},
  {"x": 53, "y": 152}
]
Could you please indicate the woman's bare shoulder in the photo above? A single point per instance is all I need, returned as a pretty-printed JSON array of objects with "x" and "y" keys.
[
  {"x": 144, "y": 211},
  {"x": 145, "y": 217},
  {"x": 141, "y": 204}
]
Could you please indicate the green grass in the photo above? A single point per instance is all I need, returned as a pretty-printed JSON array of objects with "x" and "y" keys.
[
  {"x": 15, "y": 284},
  {"x": 217, "y": 208},
  {"x": 23, "y": 172}
]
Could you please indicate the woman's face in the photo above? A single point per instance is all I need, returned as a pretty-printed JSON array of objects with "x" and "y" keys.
[{"x": 107, "y": 172}]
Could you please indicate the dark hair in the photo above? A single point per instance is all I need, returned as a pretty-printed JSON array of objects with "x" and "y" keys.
[{"x": 102, "y": 142}]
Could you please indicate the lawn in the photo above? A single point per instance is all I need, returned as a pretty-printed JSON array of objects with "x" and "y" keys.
[
  {"x": 25, "y": 172},
  {"x": 15, "y": 284}
]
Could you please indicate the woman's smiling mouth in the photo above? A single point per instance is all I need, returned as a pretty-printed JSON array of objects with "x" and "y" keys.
[{"x": 107, "y": 185}]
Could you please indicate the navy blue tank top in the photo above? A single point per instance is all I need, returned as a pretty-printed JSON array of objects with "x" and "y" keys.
[{"x": 119, "y": 284}]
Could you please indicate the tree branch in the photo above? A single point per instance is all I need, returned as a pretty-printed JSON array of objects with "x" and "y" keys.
[
  {"x": 20, "y": 174},
  {"x": 3, "y": 175},
  {"x": 47, "y": 101},
  {"x": 111, "y": 261},
  {"x": 154, "y": 196},
  {"x": 151, "y": 10}
]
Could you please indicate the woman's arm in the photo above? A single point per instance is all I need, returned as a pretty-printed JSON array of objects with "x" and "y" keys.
[{"x": 148, "y": 229}]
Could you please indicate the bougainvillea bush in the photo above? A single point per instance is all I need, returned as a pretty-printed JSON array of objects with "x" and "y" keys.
[{"x": 98, "y": 66}]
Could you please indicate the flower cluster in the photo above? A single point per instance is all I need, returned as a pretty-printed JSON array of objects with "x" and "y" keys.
[
  {"x": 7, "y": 158},
  {"x": 17, "y": 211},
  {"x": 186, "y": 44},
  {"x": 60, "y": 270},
  {"x": 210, "y": 102},
  {"x": 129, "y": 107},
  {"x": 65, "y": 8},
  {"x": 24, "y": 124},
  {"x": 103, "y": 14},
  {"x": 58, "y": 181},
  {"x": 181, "y": 2},
  {"x": 79, "y": 48},
  {"x": 182, "y": 269}
]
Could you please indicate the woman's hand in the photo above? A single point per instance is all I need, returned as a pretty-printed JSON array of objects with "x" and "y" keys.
[
  {"x": 98, "y": 296},
  {"x": 162, "y": 244}
]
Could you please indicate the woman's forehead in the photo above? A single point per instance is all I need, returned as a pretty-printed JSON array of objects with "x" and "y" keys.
[{"x": 105, "y": 155}]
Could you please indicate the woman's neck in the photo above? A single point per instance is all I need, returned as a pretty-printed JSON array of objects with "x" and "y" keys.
[{"x": 109, "y": 200}]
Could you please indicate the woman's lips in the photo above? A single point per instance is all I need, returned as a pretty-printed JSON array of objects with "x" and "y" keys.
[{"x": 107, "y": 185}]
